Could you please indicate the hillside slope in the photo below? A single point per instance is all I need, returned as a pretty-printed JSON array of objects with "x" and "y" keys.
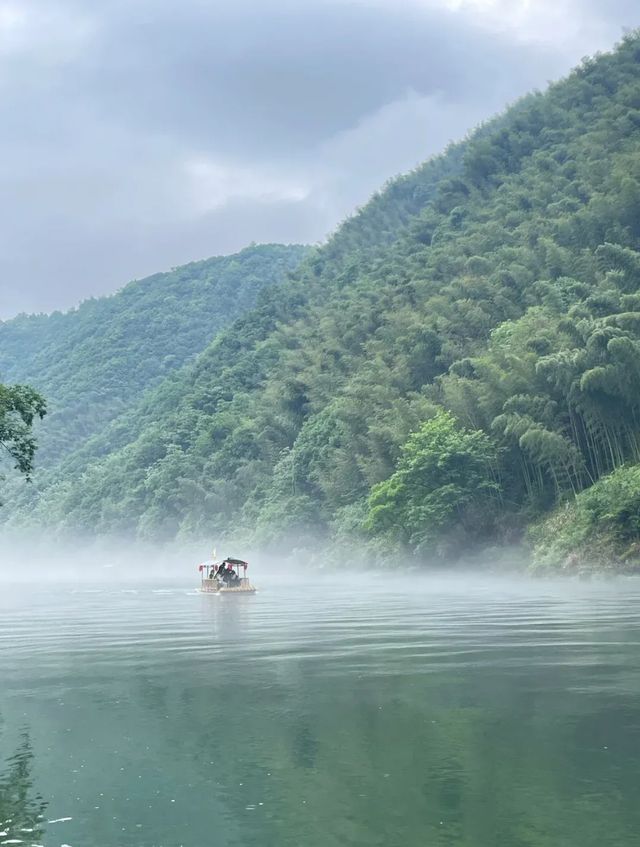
[{"x": 459, "y": 358}]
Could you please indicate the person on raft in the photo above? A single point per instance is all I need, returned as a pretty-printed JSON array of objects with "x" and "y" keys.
[{"x": 232, "y": 577}]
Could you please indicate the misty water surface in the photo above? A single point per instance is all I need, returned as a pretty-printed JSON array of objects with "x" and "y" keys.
[{"x": 363, "y": 711}]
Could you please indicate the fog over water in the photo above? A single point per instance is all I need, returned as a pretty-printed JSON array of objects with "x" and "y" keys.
[
  {"x": 81, "y": 561},
  {"x": 27, "y": 555},
  {"x": 328, "y": 709}
]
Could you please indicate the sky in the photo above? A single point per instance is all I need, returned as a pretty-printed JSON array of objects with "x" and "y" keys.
[{"x": 138, "y": 135}]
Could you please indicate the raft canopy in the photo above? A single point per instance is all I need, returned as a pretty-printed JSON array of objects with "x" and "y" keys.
[{"x": 228, "y": 561}]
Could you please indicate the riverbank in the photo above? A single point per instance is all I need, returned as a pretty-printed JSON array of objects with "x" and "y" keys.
[{"x": 598, "y": 530}]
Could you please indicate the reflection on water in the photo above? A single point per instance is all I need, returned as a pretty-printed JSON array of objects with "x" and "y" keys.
[
  {"x": 22, "y": 810},
  {"x": 481, "y": 715}
]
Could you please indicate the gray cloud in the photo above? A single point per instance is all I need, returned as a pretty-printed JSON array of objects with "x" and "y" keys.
[
  {"x": 267, "y": 79},
  {"x": 139, "y": 134}
]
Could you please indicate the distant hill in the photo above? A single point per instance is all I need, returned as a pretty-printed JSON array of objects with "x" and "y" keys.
[
  {"x": 462, "y": 356},
  {"x": 93, "y": 361}
]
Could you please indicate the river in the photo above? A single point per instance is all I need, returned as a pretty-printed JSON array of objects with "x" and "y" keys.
[{"x": 461, "y": 711}]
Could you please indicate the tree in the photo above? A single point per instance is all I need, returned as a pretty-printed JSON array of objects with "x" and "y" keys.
[
  {"x": 20, "y": 405},
  {"x": 443, "y": 473}
]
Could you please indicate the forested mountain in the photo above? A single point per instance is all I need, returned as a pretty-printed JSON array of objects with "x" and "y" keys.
[
  {"x": 460, "y": 358},
  {"x": 91, "y": 362}
]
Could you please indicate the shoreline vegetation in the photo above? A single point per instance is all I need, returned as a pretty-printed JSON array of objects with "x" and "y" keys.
[
  {"x": 456, "y": 369},
  {"x": 599, "y": 529}
]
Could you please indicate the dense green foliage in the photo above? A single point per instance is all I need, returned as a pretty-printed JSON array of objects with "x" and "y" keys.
[
  {"x": 498, "y": 282},
  {"x": 442, "y": 484},
  {"x": 20, "y": 406},
  {"x": 599, "y": 528}
]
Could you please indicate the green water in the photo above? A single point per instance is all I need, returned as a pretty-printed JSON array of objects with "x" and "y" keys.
[{"x": 369, "y": 713}]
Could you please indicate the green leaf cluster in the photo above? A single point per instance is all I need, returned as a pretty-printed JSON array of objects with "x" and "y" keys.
[
  {"x": 442, "y": 483},
  {"x": 20, "y": 406}
]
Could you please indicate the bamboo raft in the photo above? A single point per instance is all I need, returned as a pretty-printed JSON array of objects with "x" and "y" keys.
[
  {"x": 213, "y": 586},
  {"x": 221, "y": 578}
]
